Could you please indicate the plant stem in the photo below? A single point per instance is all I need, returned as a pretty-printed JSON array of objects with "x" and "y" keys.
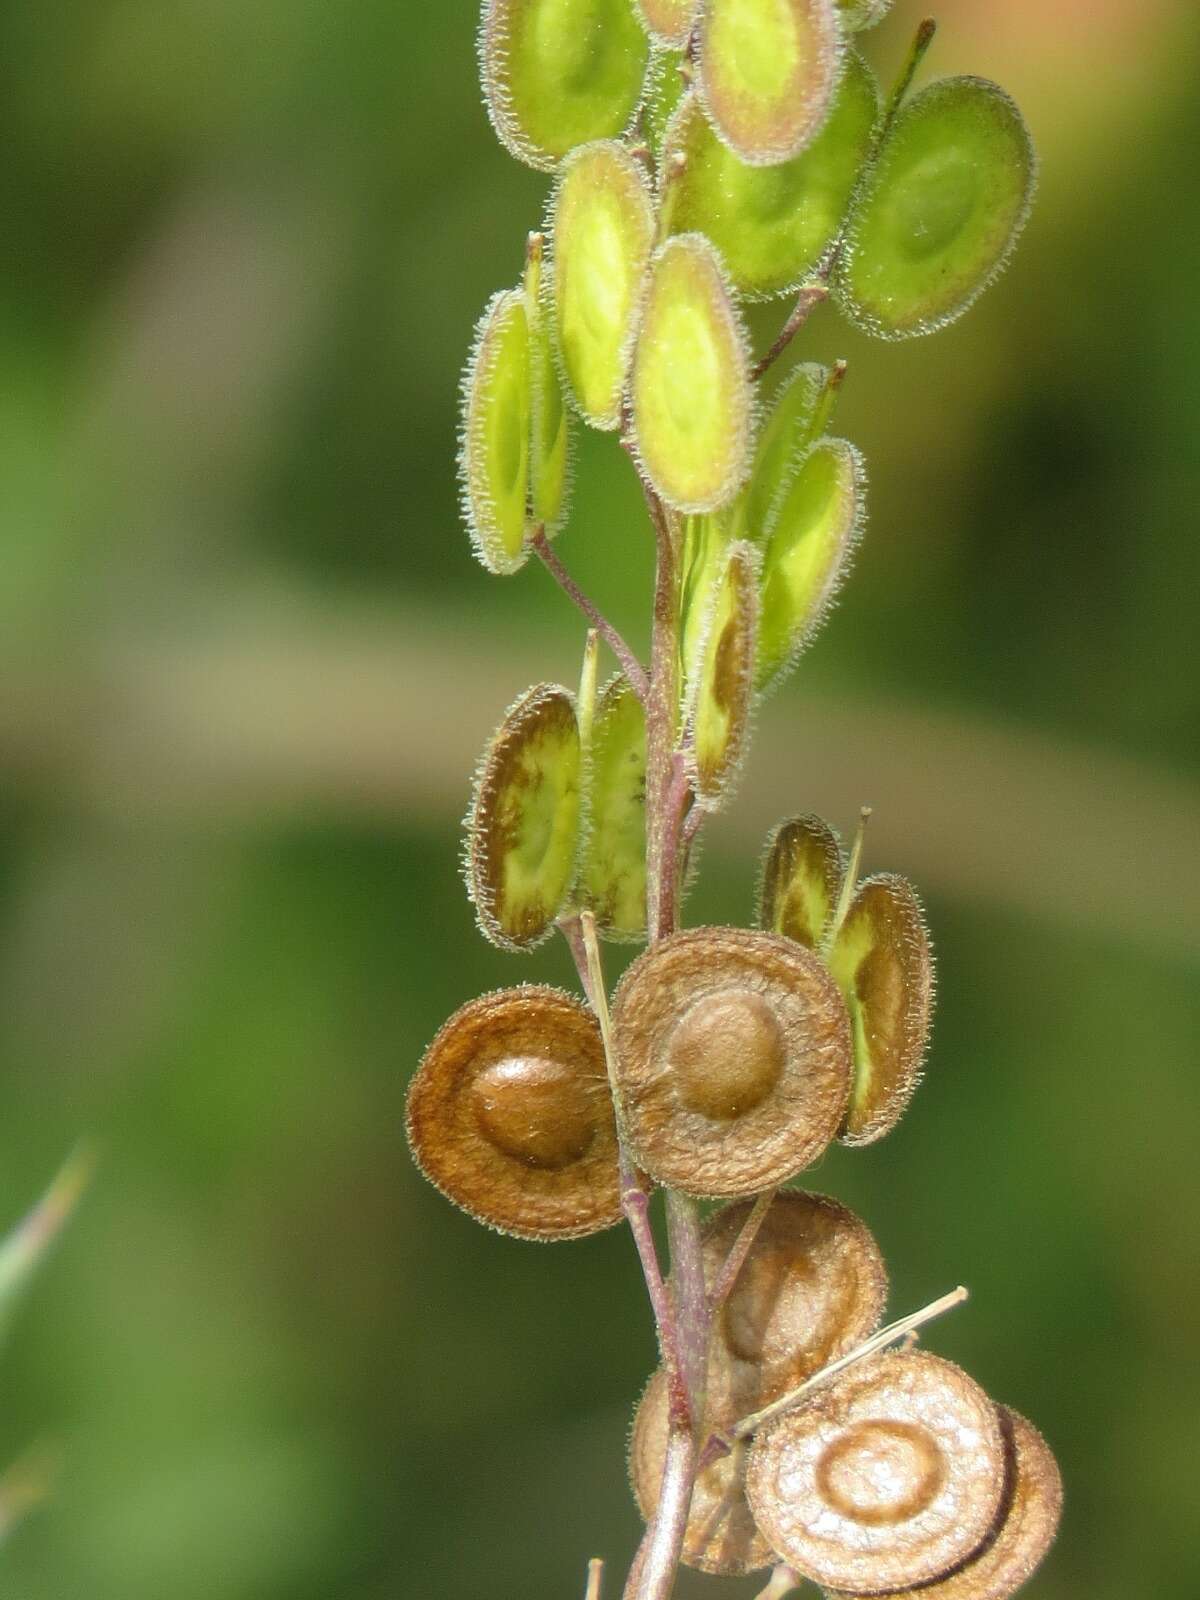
[
  {"x": 652, "y": 1576},
  {"x": 783, "y": 1581},
  {"x": 595, "y": 1579},
  {"x": 736, "y": 1259},
  {"x": 807, "y": 301},
  {"x": 630, "y": 665}
]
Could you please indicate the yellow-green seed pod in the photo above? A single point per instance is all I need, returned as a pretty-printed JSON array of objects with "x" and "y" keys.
[
  {"x": 612, "y": 877},
  {"x": 603, "y": 220},
  {"x": 669, "y": 22},
  {"x": 560, "y": 73},
  {"x": 783, "y": 438},
  {"x": 767, "y": 70},
  {"x": 802, "y": 873},
  {"x": 722, "y": 690},
  {"x": 550, "y": 453},
  {"x": 705, "y": 545},
  {"x": 666, "y": 85},
  {"x": 493, "y": 457},
  {"x": 773, "y": 225},
  {"x": 859, "y": 14},
  {"x": 883, "y": 964},
  {"x": 808, "y": 554},
  {"x": 523, "y": 826},
  {"x": 691, "y": 391},
  {"x": 938, "y": 214}
]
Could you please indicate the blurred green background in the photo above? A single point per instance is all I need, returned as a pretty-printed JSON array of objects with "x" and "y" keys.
[{"x": 246, "y": 661}]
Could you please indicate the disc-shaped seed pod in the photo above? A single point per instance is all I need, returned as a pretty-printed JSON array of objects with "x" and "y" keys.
[
  {"x": 767, "y": 71},
  {"x": 773, "y": 224},
  {"x": 550, "y": 445},
  {"x": 884, "y": 966},
  {"x": 612, "y": 877},
  {"x": 884, "y": 1479},
  {"x": 560, "y": 73},
  {"x": 802, "y": 873},
  {"x": 690, "y": 385},
  {"x": 818, "y": 524},
  {"x": 523, "y": 826},
  {"x": 603, "y": 221},
  {"x": 721, "y": 693},
  {"x": 494, "y": 453},
  {"x": 668, "y": 22},
  {"x": 858, "y": 14},
  {"x": 783, "y": 439},
  {"x": 510, "y": 1116},
  {"x": 733, "y": 1060},
  {"x": 939, "y": 213},
  {"x": 1026, "y": 1526}
]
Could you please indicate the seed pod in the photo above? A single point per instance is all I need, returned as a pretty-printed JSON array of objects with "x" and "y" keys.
[
  {"x": 665, "y": 88},
  {"x": 560, "y": 73},
  {"x": 721, "y": 694},
  {"x": 691, "y": 392},
  {"x": 612, "y": 878},
  {"x": 886, "y": 1478},
  {"x": 802, "y": 873},
  {"x": 884, "y": 966},
  {"x": 493, "y": 457},
  {"x": 603, "y": 220},
  {"x": 772, "y": 225},
  {"x": 859, "y": 14},
  {"x": 734, "y": 1055},
  {"x": 938, "y": 214},
  {"x": 705, "y": 547},
  {"x": 1024, "y": 1530},
  {"x": 783, "y": 439},
  {"x": 767, "y": 70},
  {"x": 509, "y": 1115},
  {"x": 808, "y": 555},
  {"x": 668, "y": 22},
  {"x": 523, "y": 825},
  {"x": 550, "y": 454}
]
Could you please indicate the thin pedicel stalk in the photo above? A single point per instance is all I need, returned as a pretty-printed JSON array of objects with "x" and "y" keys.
[{"x": 630, "y": 665}]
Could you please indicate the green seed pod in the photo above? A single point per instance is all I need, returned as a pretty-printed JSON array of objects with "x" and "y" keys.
[
  {"x": 523, "y": 825},
  {"x": 802, "y": 873},
  {"x": 669, "y": 22},
  {"x": 666, "y": 85},
  {"x": 705, "y": 544},
  {"x": 493, "y": 456},
  {"x": 772, "y": 225},
  {"x": 807, "y": 557},
  {"x": 883, "y": 964},
  {"x": 937, "y": 216},
  {"x": 612, "y": 878},
  {"x": 550, "y": 455},
  {"x": 767, "y": 70},
  {"x": 691, "y": 391},
  {"x": 721, "y": 694},
  {"x": 603, "y": 220},
  {"x": 782, "y": 441},
  {"x": 859, "y": 14},
  {"x": 560, "y": 73}
]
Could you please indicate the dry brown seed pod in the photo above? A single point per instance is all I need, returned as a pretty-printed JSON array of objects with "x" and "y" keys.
[
  {"x": 885, "y": 1479},
  {"x": 733, "y": 1060},
  {"x": 721, "y": 694},
  {"x": 802, "y": 873},
  {"x": 1025, "y": 1529},
  {"x": 510, "y": 1116}
]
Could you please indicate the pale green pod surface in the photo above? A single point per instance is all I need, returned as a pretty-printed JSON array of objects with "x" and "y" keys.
[
  {"x": 809, "y": 551},
  {"x": 940, "y": 211},
  {"x": 691, "y": 390},
  {"x": 884, "y": 967},
  {"x": 560, "y": 73},
  {"x": 783, "y": 438},
  {"x": 550, "y": 457},
  {"x": 802, "y": 874},
  {"x": 612, "y": 879},
  {"x": 705, "y": 541},
  {"x": 523, "y": 826},
  {"x": 668, "y": 22},
  {"x": 773, "y": 224},
  {"x": 859, "y": 14},
  {"x": 767, "y": 73},
  {"x": 603, "y": 219},
  {"x": 723, "y": 688},
  {"x": 494, "y": 455},
  {"x": 665, "y": 88}
]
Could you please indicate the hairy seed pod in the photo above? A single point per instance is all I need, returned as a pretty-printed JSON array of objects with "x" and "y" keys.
[
  {"x": 666, "y": 85},
  {"x": 816, "y": 529},
  {"x": 523, "y": 825},
  {"x": 612, "y": 877},
  {"x": 884, "y": 1479},
  {"x": 937, "y": 216},
  {"x": 721, "y": 693},
  {"x": 859, "y": 14},
  {"x": 560, "y": 73},
  {"x": 884, "y": 966},
  {"x": 767, "y": 71},
  {"x": 783, "y": 439},
  {"x": 801, "y": 876},
  {"x": 1024, "y": 1530},
  {"x": 493, "y": 457},
  {"x": 510, "y": 1116},
  {"x": 733, "y": 1060},
  {"x": 690, "y": 386},
  {"x": 772, "y": 225},
  {"x": 550, "y": 451},
  {"x": 669, "y": 22}
]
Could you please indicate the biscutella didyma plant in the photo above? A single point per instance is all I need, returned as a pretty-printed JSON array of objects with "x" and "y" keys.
[{"x": 706, "y": 153}]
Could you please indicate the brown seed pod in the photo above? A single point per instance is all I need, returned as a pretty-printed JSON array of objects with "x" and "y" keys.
[
  {"x": 733, "y": 1060},
  {"x": 886, "y": 1479},
  {"x": 509, "y": 1115},
  {"x": 801, "y": 876},
  {"x": 720, "y": 695}
]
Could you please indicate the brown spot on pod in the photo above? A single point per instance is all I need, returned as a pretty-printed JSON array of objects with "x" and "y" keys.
[
  {"x": 509, "y": 1115},
  {"x": 668, "y": 22},
  {"x": 802, "y": 873},
  {"x": 720, "y": 696},
  {"x": 612, "y": 876},
  {"x": 733, "y": 1060}
]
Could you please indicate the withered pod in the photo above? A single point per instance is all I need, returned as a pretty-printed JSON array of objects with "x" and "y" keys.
[
  {"x": 510, "y": 1115},
  {"x": 734, "y": 1056}
]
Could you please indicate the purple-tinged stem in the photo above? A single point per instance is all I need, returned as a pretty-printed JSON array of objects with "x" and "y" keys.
[
  {"x": 742, "y": 1245},
  {"x": 807, "y": 301},
  {"x": 630, "y": 665}
]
